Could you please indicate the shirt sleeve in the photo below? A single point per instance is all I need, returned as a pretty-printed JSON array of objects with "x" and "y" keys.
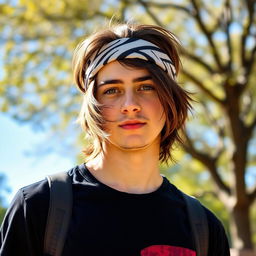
[
  {"x": 14, "y": 237},
  {"x": 23, "y": 227},
  {"x": 218, "y": 241}
]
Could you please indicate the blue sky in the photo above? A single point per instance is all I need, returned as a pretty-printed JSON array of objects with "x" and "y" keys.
[{"x": 17, "y": 161}]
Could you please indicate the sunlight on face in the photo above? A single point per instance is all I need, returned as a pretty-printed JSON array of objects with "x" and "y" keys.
[{"x": 131, "y": 107}]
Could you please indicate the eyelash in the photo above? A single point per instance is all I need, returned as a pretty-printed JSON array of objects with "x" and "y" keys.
[
  {"x": 148, "y": 86},
  {"x": 109, "y": 90},
  {"x": 141, "y": 88}
]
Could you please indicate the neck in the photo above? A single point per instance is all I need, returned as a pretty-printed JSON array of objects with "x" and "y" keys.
[{"x": 134, "y": 171}]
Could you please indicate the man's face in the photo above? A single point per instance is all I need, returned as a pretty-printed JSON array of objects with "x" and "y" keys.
[{"x": 131, "y": 108}]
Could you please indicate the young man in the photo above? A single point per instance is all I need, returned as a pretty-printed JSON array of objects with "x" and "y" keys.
[{"x": 132, "y": 112}]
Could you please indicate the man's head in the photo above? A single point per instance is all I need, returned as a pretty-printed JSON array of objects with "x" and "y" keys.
[{"x": 136, "y": 46}]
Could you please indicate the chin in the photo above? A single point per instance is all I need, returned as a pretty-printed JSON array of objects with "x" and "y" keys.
[
  {"x": 133, "y": 144},
  {"x": 134, "y": 148},
  {"x": 129, "y": 146}
]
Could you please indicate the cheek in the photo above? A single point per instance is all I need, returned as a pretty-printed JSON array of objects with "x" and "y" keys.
[
  {"x": 157, "y": 109},
  {"x": 109, "y": 112}
]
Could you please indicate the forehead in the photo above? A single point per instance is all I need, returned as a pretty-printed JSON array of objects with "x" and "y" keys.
[{"x": 116, "y": 70}]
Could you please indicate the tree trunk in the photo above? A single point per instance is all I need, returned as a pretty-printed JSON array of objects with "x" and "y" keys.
[{"x": 240, "y": 227}]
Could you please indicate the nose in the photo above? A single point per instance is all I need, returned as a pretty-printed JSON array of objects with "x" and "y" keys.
[{"x": 130, "y": 104}]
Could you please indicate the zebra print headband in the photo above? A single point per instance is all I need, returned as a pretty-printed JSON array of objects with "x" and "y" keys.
[{"x": 128, "y": 48}]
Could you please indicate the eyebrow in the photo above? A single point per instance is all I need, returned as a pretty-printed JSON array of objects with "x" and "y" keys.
[{"x": 119, "y": 81}]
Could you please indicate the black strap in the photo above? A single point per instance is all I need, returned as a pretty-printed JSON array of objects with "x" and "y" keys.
[
  {"x": 60, "y": 210},
  {"x": 199, "y": 224},
  {"x": 59, "y": 214}
]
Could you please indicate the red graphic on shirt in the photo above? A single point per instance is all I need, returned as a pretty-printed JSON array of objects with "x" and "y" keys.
[{"x": 166, "y": 250}]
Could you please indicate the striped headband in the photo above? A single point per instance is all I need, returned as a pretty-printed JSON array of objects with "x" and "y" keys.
[{"x": 129, "y": 48}]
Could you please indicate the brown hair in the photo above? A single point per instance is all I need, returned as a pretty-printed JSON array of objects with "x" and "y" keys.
[{"x": 175, "y": 100}]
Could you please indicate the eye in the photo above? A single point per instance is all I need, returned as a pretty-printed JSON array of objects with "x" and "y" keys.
[
  {"x": 111, "y": 91},
  {"x": 146, "y": 87}
]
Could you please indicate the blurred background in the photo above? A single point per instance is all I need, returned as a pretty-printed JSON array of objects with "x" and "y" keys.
[{"x": 39, "y": 102}]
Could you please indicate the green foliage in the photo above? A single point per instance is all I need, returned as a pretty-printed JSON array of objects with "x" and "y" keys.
[
  {"x": 2, "y": 213},
  {"x": 36, "y": 83},
  {"x": 253, "y": 227}
]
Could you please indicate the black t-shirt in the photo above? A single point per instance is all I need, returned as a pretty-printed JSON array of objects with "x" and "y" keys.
[{"x": 107, "y": 222}]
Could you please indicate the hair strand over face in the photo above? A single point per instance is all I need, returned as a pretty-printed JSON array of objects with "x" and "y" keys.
[{"x": 175, "y": 100}]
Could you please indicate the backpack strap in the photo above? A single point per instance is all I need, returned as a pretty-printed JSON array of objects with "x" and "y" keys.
[
  {"x": 59, "y": 213},
  {"x": 199, "y": 224}
]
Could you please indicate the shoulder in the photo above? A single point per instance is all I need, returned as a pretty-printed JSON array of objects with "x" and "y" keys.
[
  {"x": 33, "y": 194},
  {"x": 29, "y": 205},
  {"x": 218, "y": 241},
  {"x": 38, "y": 191},
  {"x": 215, "y": 225},
  {"x": 23, "y": 226},
  {"x": 217, "y": 238},
  {"x": 35, "y": 197}
]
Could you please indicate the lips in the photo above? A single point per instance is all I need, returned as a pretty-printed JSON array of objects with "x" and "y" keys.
[{"x": 133, "y": 124}]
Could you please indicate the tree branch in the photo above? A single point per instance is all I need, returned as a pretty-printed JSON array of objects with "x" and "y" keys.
[
  {"x": 246, "y": 31},
  {"x": 210, "y": 12},
  {"x": 150, "y": 13},
  {"x": 199, "y": 61},
  {"x": 218, "y": 127},
  {"x": 227, "y": 22},
  {"x": 164, "y": 6},
  {"x": 207, "y": 33},
  {"x": 248, "y": 65},
  {"x": 79, "y": 15},
  {"x": 199, "y": 84},
  {"x": 252, "y": 195},
  {"x": 195, "y": 14},
  {"x": 208, "y": 161}
]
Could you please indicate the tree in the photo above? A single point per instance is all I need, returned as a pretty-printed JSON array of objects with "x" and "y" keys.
[
  {"x": 220, "y": 60},
  {"x": 219, "y": 64}
]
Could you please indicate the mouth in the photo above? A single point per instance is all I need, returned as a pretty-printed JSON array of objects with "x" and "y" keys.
[{"x": 129, "y": 125}]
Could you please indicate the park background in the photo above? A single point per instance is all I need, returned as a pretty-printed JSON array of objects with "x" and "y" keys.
[{"x": 39, "y": 102}]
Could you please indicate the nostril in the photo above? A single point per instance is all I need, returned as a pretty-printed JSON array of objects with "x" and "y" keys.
[{"x": 130, "y": 108}]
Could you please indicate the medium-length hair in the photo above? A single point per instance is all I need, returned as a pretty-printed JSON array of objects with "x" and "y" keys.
[{"x": 174, "y": 99}]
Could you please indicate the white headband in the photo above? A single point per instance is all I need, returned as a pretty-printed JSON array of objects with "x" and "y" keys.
[{"x": 124, "y": 48}]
